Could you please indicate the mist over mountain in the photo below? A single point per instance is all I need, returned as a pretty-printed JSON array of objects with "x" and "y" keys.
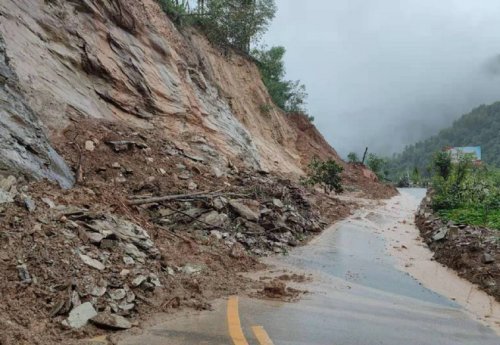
[
  {"x": 387, "y": 74},
  {"x": 480, "y": 127}
]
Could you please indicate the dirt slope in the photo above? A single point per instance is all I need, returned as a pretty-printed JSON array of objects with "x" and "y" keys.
[{"x": 125, "y": 61}]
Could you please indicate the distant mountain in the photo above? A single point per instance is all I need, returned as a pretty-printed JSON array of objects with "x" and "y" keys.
[{"x": 481, "y": 127}]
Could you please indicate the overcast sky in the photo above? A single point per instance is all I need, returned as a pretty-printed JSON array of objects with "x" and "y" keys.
[{"x": 385, "y": 73}]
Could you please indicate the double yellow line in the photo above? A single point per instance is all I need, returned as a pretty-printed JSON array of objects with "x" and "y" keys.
[{"x": 234, "y": 325}]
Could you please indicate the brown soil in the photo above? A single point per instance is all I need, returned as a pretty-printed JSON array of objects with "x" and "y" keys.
[
  {"x": 277, "y": 289},
  {"x": 474, "y": 252},
  {"x": 193, "y": 258}
]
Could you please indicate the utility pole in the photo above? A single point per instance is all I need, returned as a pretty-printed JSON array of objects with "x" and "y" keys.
[{"x": 364, "y": 156}]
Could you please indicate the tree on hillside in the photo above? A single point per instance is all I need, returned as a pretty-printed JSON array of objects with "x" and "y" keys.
[
  {"x": 238, "y": 23},
  {"x": 286, "y": 94},
  {"x": 378, "y": 165},
  {"x": 235, "y": 23}
]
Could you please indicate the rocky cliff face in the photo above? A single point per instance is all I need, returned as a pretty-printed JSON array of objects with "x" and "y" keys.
[
  {"x": 24, "y": 149},
  {"x": 124, "y": 61}
]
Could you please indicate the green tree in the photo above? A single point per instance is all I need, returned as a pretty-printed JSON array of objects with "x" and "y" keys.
[
  {"x": 325, "y": 173},
  {"x": 352, "y": 157},
  {"x": 288, "y": 95},
  {"x": 237, "y": 23},
  {"x": 442, "y": 164},
  {"x": 378, "y": 165}
]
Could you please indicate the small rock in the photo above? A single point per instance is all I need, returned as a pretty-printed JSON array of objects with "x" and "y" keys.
[
  {"x": 89, "y": 145},
  {"x": 487, "y": 258},
  {"x": 162, "y": 171},
  {"x": 116, "y": 165},
  {"x": 191, "y": 269},
  {"x": 23, "y": 273},
  {"x": 192, "y": 186},
  {"x": 49, "y": 202},
  {"x": 278, "y": 203},
  {"x": 243, "y": 210},
  {"x": 98, "y": 291},
  {"x": 29, "y": 204},
  {"x": 214, "y": 218},
  {"x": 127, "y": 260},
  {"x": 112, "y": 321},
  {"x": 216, "y": 234},
  {"x": 91, "y": 262},
  {"x": 139, "y": 280},
  {"x": 117, "y": 294},
  {"x": 153, "y": 278},
  {"x": 5, "y": 197},
  {"x": 7, "y": 184},
  {"x": 126, "y": 306},
  {"x": 79, "y": 316},
  {"x": 440, "y": 234},
  {"x": 94, "y": 237},
  {"x": 219, "y": 203},
  {"x": 184, "y": 175}
]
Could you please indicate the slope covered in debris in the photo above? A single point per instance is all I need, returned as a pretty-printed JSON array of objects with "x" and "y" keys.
[
  {"x": 180, "y": 181},
  {"x": 148, "y": 228}
]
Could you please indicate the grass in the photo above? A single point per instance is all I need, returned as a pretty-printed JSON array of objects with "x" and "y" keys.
[{"x": 473, "y": 216}]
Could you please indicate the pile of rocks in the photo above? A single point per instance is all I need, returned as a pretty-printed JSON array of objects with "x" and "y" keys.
[
  {"x": 260, "y": 217},
  {"x": 474, "y": 252}
]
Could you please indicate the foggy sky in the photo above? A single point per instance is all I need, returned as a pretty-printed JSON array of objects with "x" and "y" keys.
[{"x": 386, "y": 73}]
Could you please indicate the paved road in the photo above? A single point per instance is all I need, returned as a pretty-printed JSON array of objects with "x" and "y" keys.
[{"x": 357, "y": 297}]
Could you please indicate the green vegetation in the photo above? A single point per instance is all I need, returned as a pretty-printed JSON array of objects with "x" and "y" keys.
[
  {"x": 226, "y": 23},
  {"x": 481, "y": 127},
  {"x": 466, "y": 193},
  {"x": 352, "y": 157},
  {"x": 288, "y": 95},
  {"x": 378, "y": 165},
  {"x": 325, "y": 173}
]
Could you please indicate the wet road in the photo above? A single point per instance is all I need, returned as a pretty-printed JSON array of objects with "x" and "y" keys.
[{"x": 357, "y": 297}]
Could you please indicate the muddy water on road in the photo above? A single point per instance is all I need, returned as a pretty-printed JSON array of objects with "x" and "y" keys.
[{"x": 359, "y": 295}]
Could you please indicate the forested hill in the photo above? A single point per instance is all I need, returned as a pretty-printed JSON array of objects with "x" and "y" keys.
[{"x": 481, "y": 127}]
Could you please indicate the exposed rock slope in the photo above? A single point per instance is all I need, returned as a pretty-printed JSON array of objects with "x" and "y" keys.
[
  {"x": 24, "y": 149},
  {"x": 124, "y": 60}
]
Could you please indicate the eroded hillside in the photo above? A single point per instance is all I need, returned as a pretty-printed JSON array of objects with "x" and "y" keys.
[
  {"x": 179, "y": 180},
  {"x": 125, "y": 61}
]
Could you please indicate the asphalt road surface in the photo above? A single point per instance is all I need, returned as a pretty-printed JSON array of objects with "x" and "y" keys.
[{"x": 357, "y": 297}]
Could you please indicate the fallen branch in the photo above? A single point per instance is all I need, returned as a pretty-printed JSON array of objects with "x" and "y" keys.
[
  {"x": 171, "y": 197},
  {"x": 195, "y": 219}
]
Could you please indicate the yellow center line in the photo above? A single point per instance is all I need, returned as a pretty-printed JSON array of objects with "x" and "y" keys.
[
  {"x": 261, "y": 335},
  {"x": 234, "y": 323}
]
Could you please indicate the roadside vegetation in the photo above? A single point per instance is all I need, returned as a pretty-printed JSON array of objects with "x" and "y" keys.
[
  {"x": 466, "y": 193},
  {"x": 326, "y": 174},
  {"x": 238, "y": 25}
]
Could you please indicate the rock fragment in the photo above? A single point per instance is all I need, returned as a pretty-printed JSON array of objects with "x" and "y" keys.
[
  {"x": 89, "y": 145},
  {"x": 487, "y": 258},
  {"x": 92, "y": 262},
  {"x": 111, "y": 321},
  {"x": 79, "y": 316},
  {"x": 243, "y": 210}
]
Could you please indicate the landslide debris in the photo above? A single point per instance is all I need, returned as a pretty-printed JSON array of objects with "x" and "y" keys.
[
  {"x": 474, "y": 252},
  {"x": 149, "y": 227}
]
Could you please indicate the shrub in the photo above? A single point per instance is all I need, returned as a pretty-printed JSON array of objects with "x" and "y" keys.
[
  {"x": 441, "y": 163},
  {"x": 352, "y": 157},
  {"x": 378, "y": 165},
  {"x": 325, "y": 173}
]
